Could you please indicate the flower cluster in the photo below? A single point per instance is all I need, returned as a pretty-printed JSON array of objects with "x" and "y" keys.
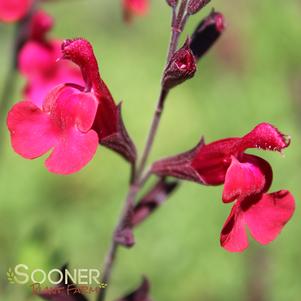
[
  {"x": 246, "y": 178},
  {"x": 71, "y": 120},
  {"x": 37, "y": 60},
  {"x": 69, "y": 111}
]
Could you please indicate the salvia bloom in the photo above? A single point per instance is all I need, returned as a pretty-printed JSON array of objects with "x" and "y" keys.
[
  {"x": 133, "y": 8},
  {"x": 37, "y": 61},
  {"x": 72, "y": 119},
  {"x": 13, "y": 10},
  {"x": 246, "y": 179}
]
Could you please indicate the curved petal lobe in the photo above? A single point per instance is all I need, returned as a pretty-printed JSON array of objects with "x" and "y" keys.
[
  {"x": 73, "y": 152},
  {"x": 268, "y": 216},
  {"x": 252, "y": 176},
  {"x": 265, "y": 136},
  {"x": 32, "y": 133},
  {"x": 233, "y": 236}
]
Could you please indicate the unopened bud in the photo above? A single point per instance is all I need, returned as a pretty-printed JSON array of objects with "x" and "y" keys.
[
  {"x": 207, "y": 33},
  {"x": 195, "y": 6},
  {"x": 172, "y": 3},
  {"x": 181, "y": 67}
]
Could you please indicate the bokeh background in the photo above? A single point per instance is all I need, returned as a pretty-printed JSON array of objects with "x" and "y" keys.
[{"x": 252, "y": 75}]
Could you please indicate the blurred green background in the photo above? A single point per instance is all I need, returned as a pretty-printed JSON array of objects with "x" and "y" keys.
[{"x": 252, "y": 75}]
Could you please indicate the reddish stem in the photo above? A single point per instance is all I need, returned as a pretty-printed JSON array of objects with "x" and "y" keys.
[{"x": 178, "y": 23}]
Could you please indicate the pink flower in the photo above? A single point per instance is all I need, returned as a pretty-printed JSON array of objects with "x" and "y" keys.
[
  {"x": 72, "y": 119},
  {"x": 133, "y": 8},
  {"x": 13, "y": 10},
  {"x": 63, "y": 124},
  {"x": 38, "y": 61},
  {"x": 246, "y": 179}
]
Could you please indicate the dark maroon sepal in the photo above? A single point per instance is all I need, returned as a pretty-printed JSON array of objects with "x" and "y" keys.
[
  {"x": 120, "y": 141},
  {"x": 172, "y": 3},
  {"x": 181, "y": 67},
  {"x": 207, "y": 33},
  {"x": 63, "y": 291},
  {"x": 179, "y": 166},
  {"x": 154, "y": 198},
  {"x": 140, "y": 294},
  {"x": 195, "y": 6}
]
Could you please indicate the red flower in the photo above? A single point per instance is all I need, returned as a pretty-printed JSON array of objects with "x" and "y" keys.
[
  {"x": 246, "y": 180},
  {"x": 134, "y": 8},
  {"x": 62, "y": 125},
  {"x": 72, "y": 119},
  {"x": 212, "y": 161},
  {"x": 13, "y": 10},
  {"x": 38, "y": 61}
]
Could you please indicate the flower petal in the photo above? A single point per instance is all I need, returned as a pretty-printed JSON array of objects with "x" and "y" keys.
[
  {"x": 134, "y": 7},
  {"x": 13, "y": 10},
  {"x": 70, "y": 107},
  {"x": 74, "y": 150},
  {"x": 268, "y": 215},
  {"x": 265, "y": 136},
  {"x": 37, "y": 62},
  {"x": 233, "y": 236},
  {"x": 32, "y": 133},
  {"x": 213, "y": 160},
  {"x": 36, "y": 59},
  {"x": 251, "y": 176}
]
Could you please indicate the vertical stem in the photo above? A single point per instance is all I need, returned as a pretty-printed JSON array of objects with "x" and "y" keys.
[
  {"x": 178, "y": 23},
  {"x": 177, "y": 26},
  {"x": 111, "y": 255},
  {"x": 153, "y": 130}
]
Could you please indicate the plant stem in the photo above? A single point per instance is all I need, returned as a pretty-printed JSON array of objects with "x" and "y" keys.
[
  {"x": 138, "y": 179},
  {"x": 153, "y": 130},
  {"x": 111, "y": 255}
]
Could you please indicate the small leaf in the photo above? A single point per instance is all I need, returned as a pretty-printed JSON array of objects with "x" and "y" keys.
[{"x": 140, "y": 294}]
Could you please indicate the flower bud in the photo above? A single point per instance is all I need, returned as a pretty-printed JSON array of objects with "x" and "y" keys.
[
  {"x": 181, "y": 67},
  {"x": 172, "y": 3},
  {"x": 207, "y": 33},
  {"x": 195, "y": 6}
]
